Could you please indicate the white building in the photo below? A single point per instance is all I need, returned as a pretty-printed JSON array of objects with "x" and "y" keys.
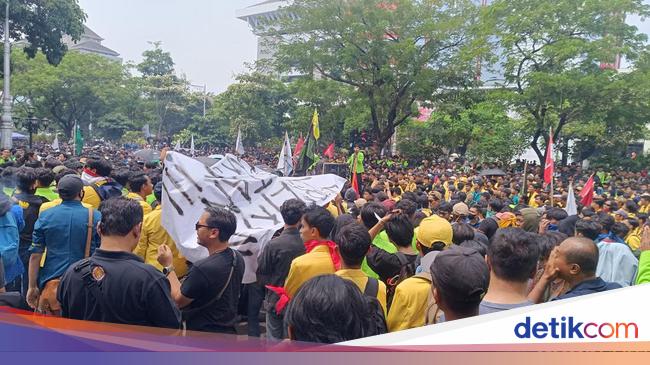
[{"x": 91, "y": 42}]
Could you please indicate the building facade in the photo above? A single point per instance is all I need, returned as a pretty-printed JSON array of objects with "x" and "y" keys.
[{"x": 91, "y": 42}]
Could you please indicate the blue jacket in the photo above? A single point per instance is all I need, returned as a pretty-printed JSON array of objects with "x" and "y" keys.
[
  {"x": 63, "y": 230},
  {"x": 9, "y": 240}
]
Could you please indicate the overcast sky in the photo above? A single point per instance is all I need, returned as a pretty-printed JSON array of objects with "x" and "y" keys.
[{"x": 206, "y": 41}]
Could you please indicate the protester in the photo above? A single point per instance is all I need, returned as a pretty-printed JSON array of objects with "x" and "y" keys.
[
  {"x": 68, "y": 232},
  {"x": 329, "y": 309},
  {"x": 10, "y": 227},
  {"x": 575, "y": 261},
  {"x": 209, "y": 294},
  {"x": 275, "y": 261},
  {"x": 459, "y": 280},
  {"x": 114, "y": 285},
  {"x": 512, "y": 259},
  {"x": 154, "y": 235},
  {"x": 353, "y": 243},
  {"x": 99, "y": 186}
]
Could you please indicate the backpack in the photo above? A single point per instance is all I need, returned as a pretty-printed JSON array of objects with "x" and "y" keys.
[
  {"x": 406, "y": 271},
  {"x": 378, "y": 324},
  {"x": 108, "y": 190},
  {"x": 432, "y": 313}
]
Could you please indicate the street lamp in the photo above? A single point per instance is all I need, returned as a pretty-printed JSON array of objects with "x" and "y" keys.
[
  {"x": 32, "y": 125},
  {"x": 6, "y": 125}
]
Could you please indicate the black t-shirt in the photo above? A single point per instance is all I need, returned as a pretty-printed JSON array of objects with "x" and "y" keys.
[
  {"x": 130, "y": 291},
  {"x": 203, "y": 283}
]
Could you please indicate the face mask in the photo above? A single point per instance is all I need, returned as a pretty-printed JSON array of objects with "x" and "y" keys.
[{"x": 553, "y": 227}]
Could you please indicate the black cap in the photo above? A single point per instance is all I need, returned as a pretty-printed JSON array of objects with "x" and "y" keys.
[
  {"x": 70, "y": 186},
  {"x": 461, "y": 274}
]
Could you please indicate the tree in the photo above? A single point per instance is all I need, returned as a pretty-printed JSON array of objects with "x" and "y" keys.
[
  {"x": 43, "y": 24},
  {"x": 156, "y": 62},
  {"x": 82, "y": 88},
  {"x": 393, "y": 53},
  {"x": 556, "y": 56}
]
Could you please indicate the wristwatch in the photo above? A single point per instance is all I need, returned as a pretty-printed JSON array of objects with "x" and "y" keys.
[{"x": 167, "y": 270}]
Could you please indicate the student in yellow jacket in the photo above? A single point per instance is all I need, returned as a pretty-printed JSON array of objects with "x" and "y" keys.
[
  {"x": 154, "y": 235},
  {"x": 410, "y": 304},
  {"x": 353, "y": 243},
  {"x": 140, "y": 187}
]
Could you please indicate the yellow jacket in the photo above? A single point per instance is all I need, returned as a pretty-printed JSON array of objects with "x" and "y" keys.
[
  {"x": 91, "y": 197},
  {"x": 531, "y": 202},
  {"x": 153, "y": 235},
  {"x": 409, "y": 307},
  {"x": 146, "y": 208},
  {"x": 644, "y": 209},
  {"x": 361, "y": 279},
  {"x": 317, "y": 262}
]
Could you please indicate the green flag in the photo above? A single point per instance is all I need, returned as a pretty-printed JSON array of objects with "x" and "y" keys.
[{"x": 78, "y": 141}]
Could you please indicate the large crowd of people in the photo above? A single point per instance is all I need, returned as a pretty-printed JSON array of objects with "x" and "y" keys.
[{"x": 410, "y": 243}]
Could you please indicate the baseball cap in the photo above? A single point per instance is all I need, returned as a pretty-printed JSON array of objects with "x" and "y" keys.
[
  {"x": 461, "y": 274},
  {"x": 622, "y": 213},
  {"x": 461, "y": 209},
  {"x": 70, "y": 185},
  {"x": 434, "y": 229}
]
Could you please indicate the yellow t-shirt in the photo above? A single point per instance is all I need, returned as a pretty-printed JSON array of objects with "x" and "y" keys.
[
  {"x": 360, "y": 279},
  {"x": 317, "y": 262}
]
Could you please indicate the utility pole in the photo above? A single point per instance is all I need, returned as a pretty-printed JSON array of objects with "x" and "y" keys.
[{"x": 6, "y": 127}]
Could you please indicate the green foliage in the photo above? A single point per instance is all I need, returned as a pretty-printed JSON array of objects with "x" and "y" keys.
[
  {"x": 133, "y": 137},
  {"x": 551, "y": 52},
  {"x": 156, "y": 62},
  {"x": 82, "y": 88},
  {"x": 391, "y": 53},
  {"x": 43, "y": 24}
]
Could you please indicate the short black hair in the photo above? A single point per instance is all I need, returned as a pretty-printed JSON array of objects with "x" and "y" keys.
[
  {"x": 513, "y": 254},
  {"x": 8, "y": 177},
  {"x": 588, "y": 228},
  {"x": 400, "y": 230},
  {"x": 496, "y": 205},
  {"x": 319, "y": 218},
  {"x": 122, "y": 176},
  {"x": 119, "y": 216},
  {"x": 475, "y": 245},
  {"x": 222, "y": 219},
  {"x": 137, "y": 181},
  {"x": 548, "y": 241},
  {"x": 368, "y": 213},
  {"x": 25, "y": 179},
  {"x": 102, "y": 166},
  {"x": 462, "y": 232},
  {"x": 44, "y": 176},
  {"x": 631, "y": 206},
  {"x": 620, "y": 229},
  {"x": 353, "y": 241},
  {"x": 408, "y": 207},
  {"x": 319, "y": 300},
  {"x": 606, "y": 221},
  {"x": 557, "y": 214},
  {"x": 292, "y": 210},
  {"x": 63, "y": 173},
  {"x": 51, "y": 163},
  {"x": 586, "y": 255}
]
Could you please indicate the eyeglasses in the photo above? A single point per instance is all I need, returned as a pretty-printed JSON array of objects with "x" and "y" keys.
[{"x": 198, "y": 226}]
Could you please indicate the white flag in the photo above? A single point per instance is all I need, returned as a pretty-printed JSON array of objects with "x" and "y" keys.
[
  {"x": 571, "y": 207},
  {"x": 253, "y": 195},
  {"x": 178, "y": 146},
  {"x": 55, "y": 144},
  {"x": 239, "y": 146},
  {"x": 192, "y": 146},
  {"x": 285, "y": 163}
]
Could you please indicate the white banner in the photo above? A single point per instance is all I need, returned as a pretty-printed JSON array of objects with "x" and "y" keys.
[{"x": 253, "y": 195}]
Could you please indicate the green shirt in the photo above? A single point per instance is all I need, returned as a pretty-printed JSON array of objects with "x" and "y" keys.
[
  {"x": 47, "y": 193},
  {"x": 151, "y": 198},
  {"x": 643, "y": 273},
  {"x": 8, "y": 191},
  {"x": 382, "y": 242},
  {"x": 359, "y": 168}
]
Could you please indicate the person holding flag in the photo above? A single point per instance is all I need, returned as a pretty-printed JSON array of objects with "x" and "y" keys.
[
  {"x": 308, "y": 157},
  {"x": 355, "y": 163}
]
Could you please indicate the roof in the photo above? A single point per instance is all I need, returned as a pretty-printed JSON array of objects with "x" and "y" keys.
[
  {"x": 91, "y": 34},
  {"x": 94, "y": 47},
  {"x": 266, "y": 2}
]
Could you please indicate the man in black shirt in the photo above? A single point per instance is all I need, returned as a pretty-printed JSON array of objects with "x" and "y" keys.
[
  {"x": 210, "y": 292},
  {"x": 275, "y": 261},
  {"x": 114, "y": 285}
]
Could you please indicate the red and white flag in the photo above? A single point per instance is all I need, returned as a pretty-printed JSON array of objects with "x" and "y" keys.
[
  {"x": 549, "y": 168},
  {"x": 298, "y": 148},
  {"x": 587, "y": 193}
]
